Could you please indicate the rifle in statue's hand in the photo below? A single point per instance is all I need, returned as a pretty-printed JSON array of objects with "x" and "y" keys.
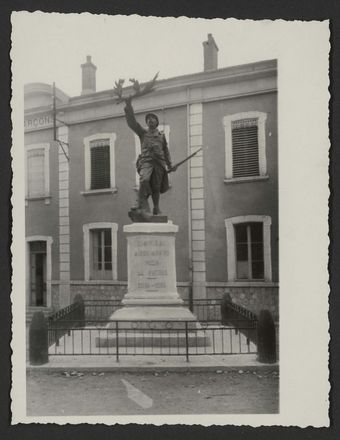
[
  {"x": 174, "y": 167},
  {"x": 139, "y": 90}
]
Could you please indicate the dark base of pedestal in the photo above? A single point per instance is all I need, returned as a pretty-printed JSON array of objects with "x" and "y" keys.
[{"x": 141, "y": 216}]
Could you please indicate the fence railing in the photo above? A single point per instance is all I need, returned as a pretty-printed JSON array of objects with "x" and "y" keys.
[
  {"x": 222, "y": 328},
  {"x": 96, "y": 313},
  {"x": 239, "y": 317},
  {"x": 205, "y": 310},
  {"x": 63, "y": 320},
  {"x": 161, "y": 338}
]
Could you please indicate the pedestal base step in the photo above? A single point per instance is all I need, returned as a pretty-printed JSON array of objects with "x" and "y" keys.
[
  {"x": 141, "y": 216},
  {"x": 155, "y": 339},
  {"x": 153, "y": 317}
]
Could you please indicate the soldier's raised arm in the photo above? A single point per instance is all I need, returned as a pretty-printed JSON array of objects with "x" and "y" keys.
[{"x": 131, "y": 119}]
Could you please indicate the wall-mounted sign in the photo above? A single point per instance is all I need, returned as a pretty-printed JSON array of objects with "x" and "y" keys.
[{"x": 38, "y": 122}]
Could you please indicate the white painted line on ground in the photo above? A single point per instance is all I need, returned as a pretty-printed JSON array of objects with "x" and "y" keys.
[{"x": 137, "y": 395}]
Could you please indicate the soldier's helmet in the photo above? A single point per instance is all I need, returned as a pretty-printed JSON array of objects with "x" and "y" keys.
[{"x": 148, "y": 115}]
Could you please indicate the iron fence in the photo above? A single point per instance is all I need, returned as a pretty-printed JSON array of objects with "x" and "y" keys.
[
  {"x": 164, "y": 338},
  {"x": 85, "y": 328},
  {"x": 205, "y": 310},
  {"x": 63, "y": 320}
]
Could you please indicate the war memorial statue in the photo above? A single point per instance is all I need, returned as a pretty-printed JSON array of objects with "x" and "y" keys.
[
  {"x": 154, "y": 163},
  {"x": 152, "y": 306}
]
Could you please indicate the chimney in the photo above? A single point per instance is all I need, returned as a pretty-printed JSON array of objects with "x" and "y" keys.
[
  {"x": 88, "y": 77},
  {"x": 210, "y": 54}
]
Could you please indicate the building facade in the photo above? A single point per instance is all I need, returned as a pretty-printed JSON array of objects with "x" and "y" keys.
[{"x": 80, "y": 187}]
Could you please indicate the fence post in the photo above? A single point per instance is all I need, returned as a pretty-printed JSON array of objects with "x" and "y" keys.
[
  {"x": 117, "y": 341},
  {"x": 225, "y": 312},
  {"x": 38, "y": 340},
  {"x": 191, "y": 298},
  {"x": 186, "y": 341},
  {"x": 266, "y": 338},
  {"x": 79, "y": 300}
]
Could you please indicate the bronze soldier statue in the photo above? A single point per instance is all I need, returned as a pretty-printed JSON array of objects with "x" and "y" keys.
[{"x": 154, "y": 162}]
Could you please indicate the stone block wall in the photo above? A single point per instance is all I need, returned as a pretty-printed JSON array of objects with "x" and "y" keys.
[
  {"x": 100, "y": 291},
  {"x": 252, "y": 298}
]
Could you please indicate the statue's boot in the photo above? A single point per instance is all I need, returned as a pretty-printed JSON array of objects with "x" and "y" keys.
[{"x": 141, "y": 203}]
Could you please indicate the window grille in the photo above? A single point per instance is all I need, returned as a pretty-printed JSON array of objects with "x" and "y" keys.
[
  {"x": 245, "y": 147},
  {"x": 100, "y": 164}
]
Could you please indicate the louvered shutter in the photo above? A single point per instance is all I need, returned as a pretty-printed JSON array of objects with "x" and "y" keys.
[
  {"x": 245, "y": 148},
  {"x": 36, "y": 172},
  {"x": 100, "y": 164}
]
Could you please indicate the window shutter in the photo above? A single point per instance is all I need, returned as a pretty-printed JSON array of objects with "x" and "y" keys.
[
  {"x": 100, "y": 164},
  {"x": 36, "y": 172},
  {"x": 245, "y": 148}
]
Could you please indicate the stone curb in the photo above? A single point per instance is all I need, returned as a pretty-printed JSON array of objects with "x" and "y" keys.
[{"x": 153, "y": 368}]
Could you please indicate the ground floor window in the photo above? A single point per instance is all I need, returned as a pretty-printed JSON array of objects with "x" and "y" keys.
[
  {"x": 249, "y": 251},
  {"x": 100, "y": 251},
  {"x": 101, "y": 255},
  {"x": 249, "y": 248}
]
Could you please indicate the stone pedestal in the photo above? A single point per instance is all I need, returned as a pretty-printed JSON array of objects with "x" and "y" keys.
[
  {"x": 151, "y": 265},
  {"x": 152, "y": 286}
]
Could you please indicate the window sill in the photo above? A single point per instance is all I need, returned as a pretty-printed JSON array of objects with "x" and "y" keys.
[
  {"x": 246, "y": 179},
  {"x": 93, "y": 192},
  {"x": 47, "y": 199}
]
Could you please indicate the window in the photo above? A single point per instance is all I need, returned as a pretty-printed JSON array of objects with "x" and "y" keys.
[
  {"x": 37, "y": 171},
  {"x": 101, "y": 255},
  {"x": 100, "y": 251},
  {"x": 248, "y": 248},
  {"x": 249, "y": 251},
  {"x": 99, "y": 162},
  {"x": 245, "y": 153},
  {"x": 161, "y": 127}
]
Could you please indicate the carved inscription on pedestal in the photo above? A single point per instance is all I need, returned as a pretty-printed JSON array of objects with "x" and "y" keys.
[{"x": 152, "y": 262}]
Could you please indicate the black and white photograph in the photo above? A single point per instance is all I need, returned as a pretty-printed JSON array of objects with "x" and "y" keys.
[{"x": 160, "y": 168}]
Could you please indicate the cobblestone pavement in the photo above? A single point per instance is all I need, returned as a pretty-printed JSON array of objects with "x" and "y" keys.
[{"x": 116, "y": 393}]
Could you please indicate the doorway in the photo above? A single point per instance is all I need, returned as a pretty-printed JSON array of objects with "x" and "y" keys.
[{"x": 38, "y": 258}]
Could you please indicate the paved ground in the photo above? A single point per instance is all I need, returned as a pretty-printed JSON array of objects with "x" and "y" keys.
[
  {"x": 56, "y": 393},
  {"x": 138, "y": 363}
]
